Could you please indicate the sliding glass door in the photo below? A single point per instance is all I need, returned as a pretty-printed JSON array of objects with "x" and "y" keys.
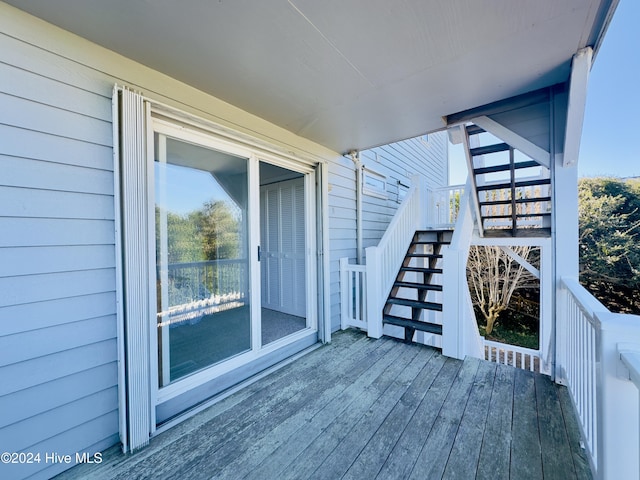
[{"x": 204, "y": 313}]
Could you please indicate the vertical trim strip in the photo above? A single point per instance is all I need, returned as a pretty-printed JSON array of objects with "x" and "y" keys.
[
  {"x": 122, "y": 397},
  {"x": 133, "y": 181}
]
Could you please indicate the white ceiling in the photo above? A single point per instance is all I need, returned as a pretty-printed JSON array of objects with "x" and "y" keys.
[{"x": 348, "y": 74}]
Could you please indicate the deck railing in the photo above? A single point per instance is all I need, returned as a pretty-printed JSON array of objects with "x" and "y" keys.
[
  {"x": 196, "y": 289},
  {"x": 352, "y": 295},
  {"x": 444, "y": 203},
  {"x": 596, "y": 353},
  {"x": 519, "y": 357},
  {"x": 460, "y": 335},
  {"x": 384, "y": 260}
]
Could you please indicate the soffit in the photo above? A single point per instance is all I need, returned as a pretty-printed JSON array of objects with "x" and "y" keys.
[{"x": 348, "y": 74}]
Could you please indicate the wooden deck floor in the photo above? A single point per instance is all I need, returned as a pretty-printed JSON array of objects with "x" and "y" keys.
[{"x": 364, "y": 409}]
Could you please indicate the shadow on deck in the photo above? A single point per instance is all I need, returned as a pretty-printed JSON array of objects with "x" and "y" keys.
[{"x": 363, "y": 409}]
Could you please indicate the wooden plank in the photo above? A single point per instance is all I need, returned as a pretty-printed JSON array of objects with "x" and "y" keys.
[
  {"x": 36, "y": 174},
  {"x": 436, "y": 450},
  {"x": 526, "y": 455},
  {"x": 407, "y": 449},
  {"x": 493, "y": 463},
  {"x": 553, "y": 435},
  {"x": 348, "y": 346},
  {"x": 465, "y": 452},
  {"x": 345, "y": 408},
  {"x": 258, "y": 415},
  {"x": 393, "y": 383},
  {"x": 373, "y": 456},
  {"x": 579, "y": 455}
]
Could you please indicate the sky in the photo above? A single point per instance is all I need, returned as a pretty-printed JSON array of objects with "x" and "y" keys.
[
  {"x": 610, "y": 134},
  {"x": 611, "y": 130}
]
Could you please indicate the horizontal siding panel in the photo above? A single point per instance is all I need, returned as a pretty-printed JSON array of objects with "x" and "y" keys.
[
  {"x": 56, "y": 393},
  {"x": 25, "y": 202},
  {"x": 18, "y": 142},
  {"x": 35, "y": 59},
  {"x": 38, "y": 288},
  {"x": 341, "y": 192},
  {"x": 42, "y": 118},
  {"x": 36, "y": 232},
  {"x": 55, "y": 339},
  {"x": 33, "y": 372},
  {"x": 100, "y": 433},
  {"x": 29, "y": 85},
  {"x": 37, "y": 260},
  {"x": 343, "y": 223},
  {"x": 22, "y": 172},
  {"x": 22, "y": 435},
  {"x": 341, "y": 212},
  {"x": 32, "y": 316}
]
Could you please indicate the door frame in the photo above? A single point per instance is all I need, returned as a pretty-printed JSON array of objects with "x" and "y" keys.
[{"x": 207, "y": 139}]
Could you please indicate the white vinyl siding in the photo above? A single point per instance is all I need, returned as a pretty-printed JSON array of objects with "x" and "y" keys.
[
  {"x": 58, "y": 353},
  {"x": 397, "y": 162}
]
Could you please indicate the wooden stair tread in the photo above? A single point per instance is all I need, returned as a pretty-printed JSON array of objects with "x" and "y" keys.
[
  {"x": 523, "y": 183},
  {"x": 418, "y": 286},
  {"x": 518, "y": 200},
  {"x": 421, "y": 269},
  {"x": 416, "y": 324},
  {"x": 405, "y": 302},
  {"x": 424, "y": 255},
  {"x": 505, "y": 167},
  {"x": 488, "y": 149}
]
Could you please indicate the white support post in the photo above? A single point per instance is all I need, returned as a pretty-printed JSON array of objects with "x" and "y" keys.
[
  {"x": 345, "y": 294},
  {"x": 618, "y": 400},
  {"x": 374, "y": 293},
  {"x": 547, "y": 344},
  {"x": 420, "y": 182},
  {"x": 580, "y": 68},
  {"x": 452, "y": 304}
]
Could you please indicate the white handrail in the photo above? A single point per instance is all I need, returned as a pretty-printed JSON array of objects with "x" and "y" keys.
[
  {"x": 444, "y": 203},
  {"x": 460, "y": 336},
  {"x": 598, "y": 353},
  {"x": 353, "y": 289},
  {"x": 384, "y": 260},
  {"x": 519, "y": 357}
]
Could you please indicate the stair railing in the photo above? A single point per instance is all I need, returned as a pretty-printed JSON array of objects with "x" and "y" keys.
[
  {"x": 460, "y": 336},
  {"x": 384, "y": 260}
]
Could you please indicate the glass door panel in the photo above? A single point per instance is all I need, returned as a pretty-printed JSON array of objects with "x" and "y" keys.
[{"x": 202, "y": 268}]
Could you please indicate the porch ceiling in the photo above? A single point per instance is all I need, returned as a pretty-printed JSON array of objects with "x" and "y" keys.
[{"x": 347, "y": 74}]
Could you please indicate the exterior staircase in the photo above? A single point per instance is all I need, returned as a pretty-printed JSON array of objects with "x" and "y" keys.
[
  {"x": 416, "y": 289},
  {"x": 513, "y": 192}
]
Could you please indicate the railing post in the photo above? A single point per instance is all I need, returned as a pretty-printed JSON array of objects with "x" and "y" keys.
[
  {"x": 344, "y": 292},
  {"x": 451, "y": 304},
  {"x": 618, "y": 400},
  {"x": 421, "y": 183},
  {"x": 374, "y": 293}
]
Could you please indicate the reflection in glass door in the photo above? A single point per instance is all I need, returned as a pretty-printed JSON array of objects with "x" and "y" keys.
[{"x": 202, "y": 245}]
